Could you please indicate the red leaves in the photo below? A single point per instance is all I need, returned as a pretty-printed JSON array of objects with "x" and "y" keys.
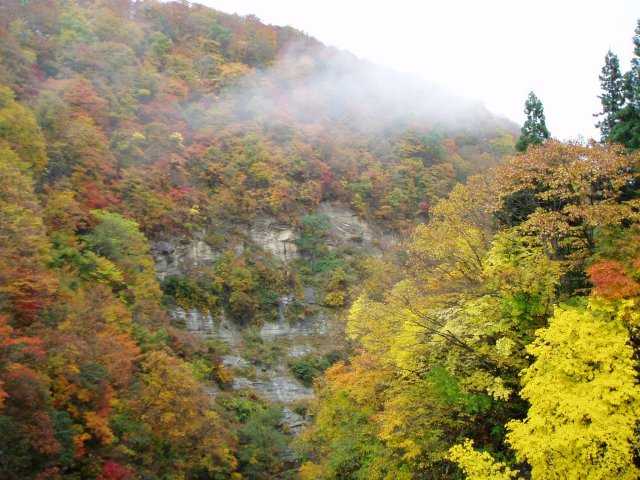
[
  {"x": 14, "y": 347},
  {"x": 31, "y": 292},
  {"x": 23, "y": 390},
  {"x": 326, "y": 177},
  {"x": 611, "y": 281},
  {"x": 114, "y": 471},
  {"x": 41, "y": 432},
  {"x": 178, "y": 193},
  {"x": 96, "y": 196}
]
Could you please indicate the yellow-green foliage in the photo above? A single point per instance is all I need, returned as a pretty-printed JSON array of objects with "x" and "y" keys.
[
  {"x": 19, "y": 130},
  {"x": 119, "y": 240},
  {"x": 469, "y": 341},
  {"x": 479, "y": 465},
  {"x": 584, "y": 398}
]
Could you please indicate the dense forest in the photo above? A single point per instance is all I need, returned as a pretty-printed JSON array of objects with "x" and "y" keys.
[{"x": 182, "y": 188}]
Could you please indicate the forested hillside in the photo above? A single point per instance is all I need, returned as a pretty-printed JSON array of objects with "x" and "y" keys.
[
  {"x": 147, "y": 151},
  {"x": 505, "y": 346},
  {"x": 228, "y": 251}
]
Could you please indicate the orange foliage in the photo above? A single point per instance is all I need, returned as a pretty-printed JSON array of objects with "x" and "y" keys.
[
  {"x": 14, "y": 349},
  {"x": 611, "y": 281}
]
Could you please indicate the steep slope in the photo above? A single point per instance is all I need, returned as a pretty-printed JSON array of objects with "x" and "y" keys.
[{"x": 197, "y": 194}]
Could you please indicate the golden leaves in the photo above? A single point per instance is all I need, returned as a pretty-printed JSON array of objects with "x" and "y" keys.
[
  {"x": 479, "y": 465},
  {"x": 584, "y": 399}
]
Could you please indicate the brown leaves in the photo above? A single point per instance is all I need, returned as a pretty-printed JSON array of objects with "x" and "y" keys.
[{"x": 573, "y": 190}]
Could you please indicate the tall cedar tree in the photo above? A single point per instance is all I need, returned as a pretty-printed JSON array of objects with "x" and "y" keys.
[
  {"x": 534, "y": 131},
  {"x": 627, "y": 128},
  {"x": 612, "y": 98}
]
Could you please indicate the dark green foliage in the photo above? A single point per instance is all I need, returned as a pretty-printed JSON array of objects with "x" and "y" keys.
[
  {"x": 426, "y": 147},
  {"x": 220, "y": 34},
  {"x": 17, "y": 457},
  {"x": 249, "y": 286},
  {"x": 258, "y": 351},
  {"x": 307, "y": 368},
  {"x": 262, "y": 444},
  {"x": 627, "y": 127},
  {"x": 63, "y": 429},
  {"x": 329, "y": 262},
  {"x": 627, "y": 130},
  {"x": 313, "y": 233},
  {"x": 90, "y": 266},
  {"x": 447, "y": 389},
  {"x": 150, "y": 340},
  {"x": 612, "y": 96},
  {"x": 516, "y": 207},
  {"x": 534, "y": 131}
]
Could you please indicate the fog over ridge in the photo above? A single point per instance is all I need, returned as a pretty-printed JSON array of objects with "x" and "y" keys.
[{"x": 310, "y": 83}]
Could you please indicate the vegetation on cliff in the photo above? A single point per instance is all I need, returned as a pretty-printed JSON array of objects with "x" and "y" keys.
[{"x": 502, "y": 342}]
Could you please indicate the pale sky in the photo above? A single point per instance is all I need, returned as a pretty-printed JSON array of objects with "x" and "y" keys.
[{"x": 495, "y": 51}]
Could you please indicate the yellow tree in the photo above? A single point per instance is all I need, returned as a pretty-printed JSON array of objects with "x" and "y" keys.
[
  {"x": 584, "y": 398},
  {"x": 447, "y": 252},
  {"x": 185, "y": 433},
  {"x": 19, "y": 130},
  {"x": 26, "y": 285},
  {"x": 479, "y": 465},
  {"x": 91, "y": 360}
]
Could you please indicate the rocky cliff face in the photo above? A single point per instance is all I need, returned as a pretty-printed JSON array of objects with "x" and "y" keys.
[
  {"x": 274, "y": 237},
  {"x": 274, "y": 382},
  {"x": 291, "y": 339},
  {"x": 346, "y": 228},
  {"x": 180, "y": 256}
]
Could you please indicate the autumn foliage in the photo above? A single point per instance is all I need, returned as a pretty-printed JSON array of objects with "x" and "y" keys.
[
  {"x": 499, "y": 341},
  {"x": 507, "y": 346}
]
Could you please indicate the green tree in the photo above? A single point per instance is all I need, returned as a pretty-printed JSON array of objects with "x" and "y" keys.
[
  {"x": 612, "y": 97},
  {"x": 627, "y": 129},
  {"x": 160, "y": 45},
  {"x": 262, "y": 444},
  {"x": 633, "y": 87},
  {"x": 119, "y": 240},
  {"x": 313, "y": 232},
  {"x": 534, "y": 131}
]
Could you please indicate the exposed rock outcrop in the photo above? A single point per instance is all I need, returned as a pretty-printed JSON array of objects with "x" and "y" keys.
[
  {"x": 299, "y": 350},
  {"x": 294, "y": 339},
  {"x": 274, "y": 383},
  {"x": 274, "y": 237},
  {"x": 346, "y": 228},
  {"x": 234, "y": 361},
  {"x": 194, "y": 320},
  {"x": 314, "y": 325},
  {"x": 180, "y": 257},
  {"x": 278, "y": 386}
]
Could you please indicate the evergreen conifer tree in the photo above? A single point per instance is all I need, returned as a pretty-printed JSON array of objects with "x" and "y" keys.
[
  {"x": 534, "y": 131},
  {"x": 627, "y": 127},
  {"x": 612, "y": 97}
]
